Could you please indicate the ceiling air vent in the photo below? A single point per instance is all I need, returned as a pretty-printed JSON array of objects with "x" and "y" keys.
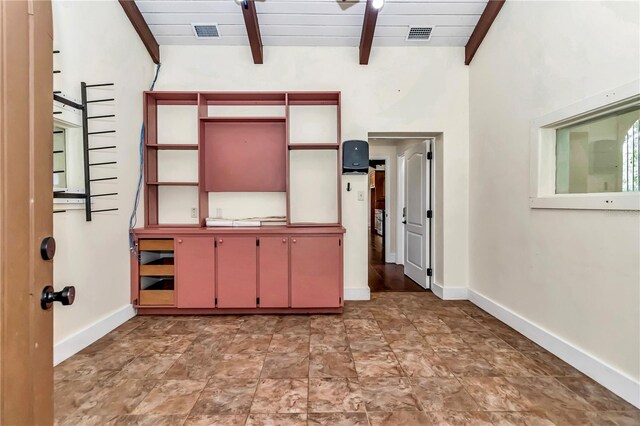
[
  {"x": 206, "y": 30},
  {"x": 419, "y": 33}
]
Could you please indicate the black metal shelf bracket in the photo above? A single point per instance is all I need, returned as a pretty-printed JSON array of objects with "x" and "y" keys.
[{"x": 87, "y": 149}]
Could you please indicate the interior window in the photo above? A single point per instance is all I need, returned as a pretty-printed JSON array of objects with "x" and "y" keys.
[{"x": 599, "y": 154}]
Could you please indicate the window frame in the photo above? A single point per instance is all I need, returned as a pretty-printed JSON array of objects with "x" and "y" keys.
[{"x": 543, "y": 153}]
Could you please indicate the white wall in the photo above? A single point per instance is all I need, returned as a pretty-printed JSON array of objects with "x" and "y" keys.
[
  {"x": 574, "y": 273},
  {"x": 413, "y": 89},
  {"x": 98, "y": 45}
]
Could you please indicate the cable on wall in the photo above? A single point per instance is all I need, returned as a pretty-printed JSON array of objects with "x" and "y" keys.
[{"x": 133, "y": 219}]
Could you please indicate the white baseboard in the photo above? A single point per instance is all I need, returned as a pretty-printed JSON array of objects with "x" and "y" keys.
[
  {"x": 450, "y": 293},
  {"x": 83, "y": 338},
  {"x": 390, "y": 258},
  {"x": 614, "y": 380},
  {"x": 357, "y": 293}
]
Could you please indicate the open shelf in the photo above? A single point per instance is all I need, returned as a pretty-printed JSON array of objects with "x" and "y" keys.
[
  {"x": 314, "y": 146},
  {"x": 243, "y": 98},
  {"x": 254, "y": 119},
  {"x": 173, "y": 146},
  {"x": 173, "y": 183}
]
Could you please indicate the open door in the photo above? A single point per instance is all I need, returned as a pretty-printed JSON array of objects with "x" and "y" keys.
[
  {"x": 26, "y": 212},
  {"x": 416, "y": 229}
]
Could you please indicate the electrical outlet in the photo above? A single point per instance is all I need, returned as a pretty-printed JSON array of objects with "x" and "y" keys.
[
  {"x": 360, "y": 195},
  {"x": 194, "y": 213}
]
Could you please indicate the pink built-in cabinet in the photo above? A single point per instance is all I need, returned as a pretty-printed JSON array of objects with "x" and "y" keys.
[
  {"x": 225, "y": 272},
  {"x": 201, "y": 146}
]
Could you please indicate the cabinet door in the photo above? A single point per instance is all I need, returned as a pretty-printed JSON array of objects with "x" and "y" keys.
[
  {"x": 316, "y": 264},
  {"x": 274, "y": 272},
  {"x": 237, "y": 272},
  {"x": 195, "y": 272}
]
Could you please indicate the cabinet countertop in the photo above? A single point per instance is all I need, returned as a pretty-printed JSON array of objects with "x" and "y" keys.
[{"x": 237, "y": 230}]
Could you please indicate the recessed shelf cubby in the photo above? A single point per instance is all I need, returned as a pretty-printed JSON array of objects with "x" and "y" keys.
[
  {"x": 313, "y": 187},
  {"x": 156, "y": 270}
]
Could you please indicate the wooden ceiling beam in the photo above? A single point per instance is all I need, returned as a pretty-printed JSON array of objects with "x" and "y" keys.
[
  {"x": 368, "y": 29},
  {"x": 490, "y": 13},
  {"x": 141, "y": 27},
  {"x": 253, "y": 29}
]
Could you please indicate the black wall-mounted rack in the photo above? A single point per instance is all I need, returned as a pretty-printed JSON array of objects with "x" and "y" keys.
[{"x": 83, "y": 108}]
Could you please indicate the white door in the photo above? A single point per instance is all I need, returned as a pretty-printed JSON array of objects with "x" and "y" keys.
[{"x": 416, "y": 231}]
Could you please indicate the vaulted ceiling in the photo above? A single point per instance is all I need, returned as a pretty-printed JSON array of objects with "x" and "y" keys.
[{"x": 313, "y": 22}]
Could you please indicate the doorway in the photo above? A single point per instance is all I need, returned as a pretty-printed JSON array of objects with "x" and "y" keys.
[{"x": 397, "y": 262}]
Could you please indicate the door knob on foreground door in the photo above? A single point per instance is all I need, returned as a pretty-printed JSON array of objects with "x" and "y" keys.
[{"x": 66, "y": 296}]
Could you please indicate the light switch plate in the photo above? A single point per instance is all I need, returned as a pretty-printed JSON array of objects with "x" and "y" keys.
[{"x": 360, "y": 195}]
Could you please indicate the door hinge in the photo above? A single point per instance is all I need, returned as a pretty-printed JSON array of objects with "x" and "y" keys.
[
  {"x": 429, "y": 214},
  {"x": 215, "y": 243},
  {"x": 215, "y": 301},
  {"x": 429, "y": 155},
  {"x": 340, "y": 300},
  {"x": 257, "y": 243},
  {"x": 429, "y": 272},
  {"x": 257, "y": 300},
  {"x": 339, "y": 242}
]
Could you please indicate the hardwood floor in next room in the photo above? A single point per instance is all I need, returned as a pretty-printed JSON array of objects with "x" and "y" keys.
[
  {"x": 386, "y": 276},
  {"x": 399, "y": 359}
]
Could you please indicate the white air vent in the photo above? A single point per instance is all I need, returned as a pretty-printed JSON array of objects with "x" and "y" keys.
[
  {"x": 206, "y": 30},
  {"x": 419, "y": 33}
]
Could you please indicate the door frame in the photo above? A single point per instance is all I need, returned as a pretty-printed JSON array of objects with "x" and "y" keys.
[
  {"x": 389, "y": 257},
  {"x": 400, "y": 176}
]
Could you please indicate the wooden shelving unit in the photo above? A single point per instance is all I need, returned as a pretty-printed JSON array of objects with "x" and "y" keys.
[
  {"x": 287, "y": 156},
  {"x": 238, "y": 153}
]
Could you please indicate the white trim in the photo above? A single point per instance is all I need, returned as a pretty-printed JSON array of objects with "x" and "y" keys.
[
  {"x": 391, "y": 258},
  {"x": 83, "y": 338},
  {"x": 594, "y": 201},
  {"x": 542, "y": 149},
  {"x": 400, "y": 195},
  {"x": 614, "y": 380},
  {"x": 357, "y": 293},
  {"x": 449, "y": 293}
]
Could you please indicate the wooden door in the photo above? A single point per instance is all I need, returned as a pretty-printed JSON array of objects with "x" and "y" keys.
[
  {"x": 195, "y": 272},
  {"x": 236, "y": 261},
  {"x": 316, "y": 271},
  {"x": 274, "y": 272},
  {"x": 26, "y": 211}
]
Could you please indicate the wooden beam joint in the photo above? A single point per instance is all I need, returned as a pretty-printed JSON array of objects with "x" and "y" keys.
[
  {"x": 489, "y": 14},
  {"x": 141, "y": 27},
  {"x": 368, "y": 30}
]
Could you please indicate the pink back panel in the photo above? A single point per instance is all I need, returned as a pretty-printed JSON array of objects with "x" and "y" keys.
[
  {"x": 195, "y": 272},
  {"x": 237, "y": 272},
  {"x": 315, "y": 271},
  {"x": 274, "y": 272},
  {"x": 245, "y": 156}
]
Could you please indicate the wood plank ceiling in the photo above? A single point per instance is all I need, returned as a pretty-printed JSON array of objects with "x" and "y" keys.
[{"x": 313, "y": 22}]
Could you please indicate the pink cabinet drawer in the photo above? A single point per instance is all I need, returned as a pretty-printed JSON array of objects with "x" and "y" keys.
[
  {"x": 316, "y": 271},
  {"x": 274, "y": 272},
  {"x": 236, "y": 260},
  {"x": 195, "y": 272}
]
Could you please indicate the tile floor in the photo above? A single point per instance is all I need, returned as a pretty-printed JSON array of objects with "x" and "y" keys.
[{"x": 399, "y": 359}]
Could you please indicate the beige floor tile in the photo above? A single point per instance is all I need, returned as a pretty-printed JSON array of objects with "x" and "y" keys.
[
  {"x": 171, "y": 397},
  {"x": 278, "y": 396},
  {"x": 333, "y": 395}
]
